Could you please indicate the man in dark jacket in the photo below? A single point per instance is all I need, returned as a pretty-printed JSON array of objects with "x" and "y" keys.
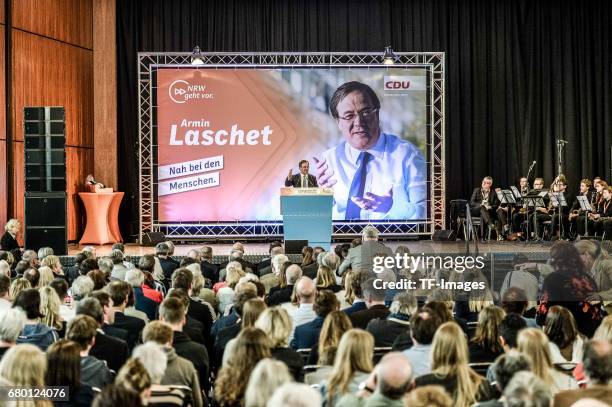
[
  {"x": 307, "y": 335},
  {"x": 375, "y": 303},
  {"x": 182, "y": 279},
  {"x": 119, "y": 291}
]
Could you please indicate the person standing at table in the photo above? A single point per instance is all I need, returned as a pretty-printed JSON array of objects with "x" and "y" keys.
[{"x": 303, "y": 179}]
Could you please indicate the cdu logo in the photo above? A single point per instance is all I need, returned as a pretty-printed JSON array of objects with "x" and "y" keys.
[
  {"x": 403, "y": 84},
  {"x": 397, "y": 83}
]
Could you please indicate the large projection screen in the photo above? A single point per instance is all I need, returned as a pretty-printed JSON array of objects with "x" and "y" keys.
[{"x": 227, "y": 138}]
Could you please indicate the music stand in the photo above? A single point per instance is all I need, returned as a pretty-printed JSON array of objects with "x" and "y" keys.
[
  {"x": 534, "y": 201},
  {"x": 516, "y": 192},
  {"x": 558, "y": 201},
  {"x": 506, "y": 196},
  {"x": 470, "y": 230},
  {"x": 585, "y": 206}
]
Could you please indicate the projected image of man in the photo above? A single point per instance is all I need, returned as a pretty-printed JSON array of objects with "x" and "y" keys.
[{"x": 375, "y": 175}]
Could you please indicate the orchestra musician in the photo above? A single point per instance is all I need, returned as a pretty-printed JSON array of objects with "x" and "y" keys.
[
  {"x": 520, "y": 216},
  {"x": 560, "y": 187},
  {"x": 577, "y": 216},
  {"x": 603, "y": 217},
  {"x": 503, "y": 209},
  {"x": 484, "y": 202}
]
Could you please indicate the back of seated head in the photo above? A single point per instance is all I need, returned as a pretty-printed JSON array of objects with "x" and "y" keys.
[
  {"x": 158, "y": 332},
  {"x": 29, "y": 256},
  {"x": 510, "y": 327},
  {"x": 439, "y": 311},
  {"x": 4, "y": 255},
  {"x": 235, "y": 254},
  {"x": 33, "y": 276},
  {"x": 597, "y": 361},
  {"x": 118, "y": 246},
  {"x": 115, "y": 395},
  {"x": 60, "y": 286},
  {"x": 526, "y": 389},
  {"x": 206, "y": 252},
  {"x": 134, "y": 277},
  {"x": 162, "y": 249},
  {"x": 508, "y": 364},
  {"x": 306, "y": 290},
  {"x": 102, "y": 296},
  {"x": 182, "y": 278},
  {"x": 44, "y": 252},
  {"x": 29, "y": 301},
  {"x": 98, "y": 277},
  {"x": 91, "y": 307},
  {"x": 12, "y": 321},
  {"x": 117, "y": 257},
  {"x": 172, "y": 310},
  {"x": 82, "y": 287},
  {"x": 82, "y": 329},
  {"x": 251, "y": 310},
  {"x": 118, "y": 291},
  {"x": 186, "y": 261},
  {"x": 429, "y": 396},
  {"x": 105, "y": 264},
  {"x": 181, "y": 295},
  {"x": 394, "y": 375},
  {"x": 242, "y": 296},
  {"x": 423, "y": 326},
  {"x": 79, "y": 257},
  {"x": 325, "y": 303},
  {"x": 371, "y": 293},
  {"x": 5, "y": 268},
  {"x": 5, "y": 285},
  {"x": 293, "y": 273},
  {"x": 147, "y": 263},
  {"x": 295, "y": 395},
  {"x": 88, "y": 265},
  {"x": 514, "y": 300},
  {"x": 274, "y": 245},
  {"x": 21, "y": 267}
]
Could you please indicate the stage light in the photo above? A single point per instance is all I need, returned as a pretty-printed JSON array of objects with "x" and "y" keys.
[
  {"x": 196, "y": 56},
  {"x": 389, "y": 57}
]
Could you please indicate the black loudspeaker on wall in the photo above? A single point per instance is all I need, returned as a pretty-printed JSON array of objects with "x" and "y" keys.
[
  {"x": 45, "y": 179},
  {"x": 153, "y": 238},
  {"x": 446, "y": 235}
]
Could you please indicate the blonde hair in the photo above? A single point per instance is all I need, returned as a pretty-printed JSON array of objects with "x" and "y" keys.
[
  {"x": 251, "y": 310},
  {"x": 480, "y": 299},
  {"x": 24, "y": 365},
  {"x": 50, "y": 307},
  {"x": 349, "y": 294},
  {"x": 46, "y": 276},
  {"x": 325, "y": 277},
  {"x": 534, "y": 343},
  {"x": 487, "y": 331},
  {"x": 354, "y": 355},
  {"x": 336, "y": 323},
  {"x": 449, "y": 356},
  {"x": 19, "y": 285},
  {"x": 604, "y": 332},
  {"x": 276, "y": 323},
  {"x": 268, "y": 375},
  {"x": 233, "y": 275},
  {"x": 50, "y": 261},
  {"x": 12, "y": 224}
]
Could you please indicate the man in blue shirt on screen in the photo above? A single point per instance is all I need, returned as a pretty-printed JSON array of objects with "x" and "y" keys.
[{"x": 374, "y": 175}]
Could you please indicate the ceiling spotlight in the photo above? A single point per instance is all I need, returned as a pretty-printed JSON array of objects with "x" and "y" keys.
[
  {"x": 389, "y": 57},
  {"x": 196, "y": 56}
]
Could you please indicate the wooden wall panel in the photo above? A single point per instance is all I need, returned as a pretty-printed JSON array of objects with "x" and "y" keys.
[
  {"x": 2, "y": 88},
  {"x": 50, "y": 73},
  {"x": 3, "y": 195},
  {"x": 2, "y": 13},
  {"x": 79, "y": 163},
  {"x": 3, "y": 180},
  {"x": 18, "y": 182},
  {"x": 105, "y": 93},
  {"x": 69, "y": 21}
]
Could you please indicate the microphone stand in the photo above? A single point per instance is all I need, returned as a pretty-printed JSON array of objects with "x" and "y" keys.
[{"x": 560, "y": 146}]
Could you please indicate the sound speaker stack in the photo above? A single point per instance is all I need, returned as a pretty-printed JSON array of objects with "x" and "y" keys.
[{"x": 45, "y": 179}]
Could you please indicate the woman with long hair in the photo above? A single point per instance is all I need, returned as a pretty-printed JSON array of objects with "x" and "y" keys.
[
  {"x": 336, "y": 323},
  {"x": 251, "y": 346},
  {"x": 326, "y": 280},
  {"x": 352, "y": 365},
  {"x": 276, "y": 323},
  {"x": 25, "y": 366},
  {"x": 64, "y": 369},
  {"x": 566, "y": 343},
  {"x": 570, "y": 286},
  {"x": 46, "y": 276},
  {"x": 50, "y": 309},
  {"x": 535, "y": 344},
  {"x": 307, "y": 256},
  {"x": 226, "y": 338},
  {"x": 486, "y": 346},
  {"x": 267, "y": 376},
  {"x": 450, "y": 369}
]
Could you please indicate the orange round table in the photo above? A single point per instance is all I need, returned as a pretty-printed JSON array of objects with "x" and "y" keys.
[{"x": 102, "y": 211}]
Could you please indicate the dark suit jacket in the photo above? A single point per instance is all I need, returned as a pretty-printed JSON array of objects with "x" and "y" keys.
[
  {"x": 195, "y": 353},
  {"x": 201, "y": 312},
  {"x": 168, "y": 265},
  {"x": 357, "y": 306},
  {"x": 223, "y": 337},
  {"x": 8, "y": 243},
  {"x": 210, "y": 271},
  {"x": 311, "y": 270},
  {"x": 306, "y": 335},
  {"x": 292, "y": 359},
  {"x": 114, "y": 351},
  {"x": 360, "y": 319},
  {"x": 145, "y": 304},
  {"x": 223, "y": 322},
  {"x": 385, "y": 331},
  {"x": 296, "y": 181},
  {"x": 280, "y": 296},
  {"x": 132, "y": 325},
  {"x": 194, "y": 328},
  {"x": 265, "y": 263},
  {"x": 116, "y": 332},
  {"x": 476, "y": 199}
]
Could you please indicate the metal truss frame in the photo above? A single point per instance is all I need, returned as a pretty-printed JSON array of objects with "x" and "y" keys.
[{"x": 148, "y": 62}]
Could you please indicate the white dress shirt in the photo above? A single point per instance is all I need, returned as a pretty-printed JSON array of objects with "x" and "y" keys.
[
  {"x": 397, "y": 165},
  {"x": 301, "y": 315}
]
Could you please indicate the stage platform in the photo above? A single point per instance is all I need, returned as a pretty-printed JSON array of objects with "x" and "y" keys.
[{"x": 421, "y": 246}]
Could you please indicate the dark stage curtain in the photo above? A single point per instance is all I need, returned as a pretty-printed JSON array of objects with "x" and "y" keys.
[{"x": 519, "y": 73}]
